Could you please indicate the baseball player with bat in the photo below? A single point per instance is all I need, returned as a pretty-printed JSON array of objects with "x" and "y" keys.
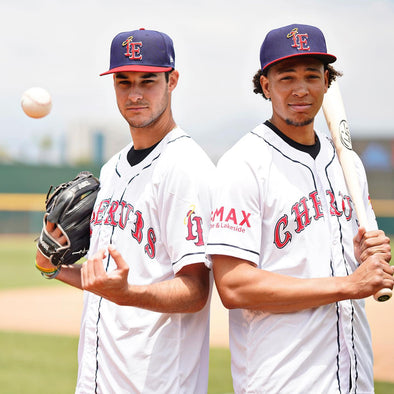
[
  {"x": 145, "y": 323},
  {"x": 290, "y": 260}
]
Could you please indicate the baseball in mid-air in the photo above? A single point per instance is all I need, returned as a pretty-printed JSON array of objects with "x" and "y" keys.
[{"x": 36, "y": 102}]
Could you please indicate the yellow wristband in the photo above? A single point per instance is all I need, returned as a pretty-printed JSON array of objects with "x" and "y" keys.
[
  {"x": 46, "y": 270},
  {"x": 48, "y": 273}
]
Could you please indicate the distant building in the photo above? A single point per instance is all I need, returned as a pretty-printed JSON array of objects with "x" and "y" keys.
[{"x": 84, "y": 143}]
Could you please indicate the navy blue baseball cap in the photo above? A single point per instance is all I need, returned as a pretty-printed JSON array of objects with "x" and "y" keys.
[
  {"x": 141, "y": 50},
  {"x": 294, "y": 40}
]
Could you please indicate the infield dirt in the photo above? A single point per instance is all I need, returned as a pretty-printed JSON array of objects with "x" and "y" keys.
[{"x": 57, "y": 310}]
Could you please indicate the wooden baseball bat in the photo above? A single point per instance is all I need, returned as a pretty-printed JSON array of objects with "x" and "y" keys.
[{"x": 334, "y": 112}]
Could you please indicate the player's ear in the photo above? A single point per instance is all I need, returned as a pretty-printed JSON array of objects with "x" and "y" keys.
[
  {"x": 173, "y": 80},
  {"x": 264, "y": 83}
]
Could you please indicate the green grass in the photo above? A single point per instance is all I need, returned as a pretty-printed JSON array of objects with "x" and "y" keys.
[
  {"x": 384, "y": 388},
  {"x": 37, "y": 364},
  {"x": 32, "y": 363},
  {"x": 219, "y": 381},
  {"x": 17, "y": 257},
  {"x": 17, "y": 263},
  {"x": 46, "y": 364}
]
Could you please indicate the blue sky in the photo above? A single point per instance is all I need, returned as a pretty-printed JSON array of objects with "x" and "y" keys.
[{"x": 63, "y": 46}]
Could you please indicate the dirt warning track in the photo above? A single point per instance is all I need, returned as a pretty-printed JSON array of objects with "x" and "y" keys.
[{"x": 57, "y": 310}]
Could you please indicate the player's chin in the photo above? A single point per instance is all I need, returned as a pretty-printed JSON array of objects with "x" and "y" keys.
[
  {"x": 138, "y": 122},
  {"x": 300, "y": 121}
]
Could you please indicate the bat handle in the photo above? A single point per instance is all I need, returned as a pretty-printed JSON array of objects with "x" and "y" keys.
[{"x": 383, "y": 295}]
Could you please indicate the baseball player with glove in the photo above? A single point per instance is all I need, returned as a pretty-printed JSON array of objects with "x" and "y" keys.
[
  {"x": 145, "y": 323},
  {"x": 289, "y": 260}
]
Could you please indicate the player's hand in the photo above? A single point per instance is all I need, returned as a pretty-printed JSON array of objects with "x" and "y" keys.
[
  {"x": 110, "y": 285},
  {"x": 368, "y": 243},
  {"x": 55, "y": 233},
  {"x": 371, "y": 276}
]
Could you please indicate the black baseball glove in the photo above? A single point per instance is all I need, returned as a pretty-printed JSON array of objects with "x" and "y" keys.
[{"x": 69, "y": 207}]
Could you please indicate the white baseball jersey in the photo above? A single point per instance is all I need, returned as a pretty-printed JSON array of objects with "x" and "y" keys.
[
  {"x": 156, "y": 214},
  {"x": 276, "y": 206}
]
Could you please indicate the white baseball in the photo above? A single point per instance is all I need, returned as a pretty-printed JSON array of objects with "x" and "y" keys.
[{"x": 36, "y": 102}]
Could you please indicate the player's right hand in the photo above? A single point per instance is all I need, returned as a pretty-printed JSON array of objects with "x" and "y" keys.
[
  {"x": 371, "y": 276},
  {"x": 111, "y": 285}
]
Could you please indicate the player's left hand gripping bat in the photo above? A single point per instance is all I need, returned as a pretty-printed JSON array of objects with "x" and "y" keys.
[{"x": 334, "y": 112}]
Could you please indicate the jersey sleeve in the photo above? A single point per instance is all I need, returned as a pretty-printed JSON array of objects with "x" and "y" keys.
[
  {"x": 236, "y": 214},
  {"x": 184, "y": 209}
]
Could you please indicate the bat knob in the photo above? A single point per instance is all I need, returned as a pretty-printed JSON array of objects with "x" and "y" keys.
[{"x": 383, "y": 295}]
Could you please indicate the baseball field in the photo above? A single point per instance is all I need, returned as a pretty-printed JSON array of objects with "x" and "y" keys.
[{"x": 39, "y": 325}]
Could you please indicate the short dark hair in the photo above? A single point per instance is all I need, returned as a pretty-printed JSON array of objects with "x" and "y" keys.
[{"x": 332, "y": 76}]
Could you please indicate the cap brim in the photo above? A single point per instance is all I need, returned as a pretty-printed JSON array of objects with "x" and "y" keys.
[
  {"x": 137, "y": 68},
  {"x": 324, "y": 57}
]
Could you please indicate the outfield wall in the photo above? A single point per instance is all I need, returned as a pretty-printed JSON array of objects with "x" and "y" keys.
[
  {"x": 23, "y": 190},
  {"x": 28, "y": 179},
  {"x": 22, "y": 213}
]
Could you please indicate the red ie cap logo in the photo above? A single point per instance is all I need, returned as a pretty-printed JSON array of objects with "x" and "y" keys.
[
  {"x": 133, "y": 49},
  {"x": 300, "y": 41}
]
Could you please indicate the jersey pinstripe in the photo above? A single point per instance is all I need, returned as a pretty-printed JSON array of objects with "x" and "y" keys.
[
  {"x": 156, "y": 214},
  {"x": 279, "y": 208}
]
